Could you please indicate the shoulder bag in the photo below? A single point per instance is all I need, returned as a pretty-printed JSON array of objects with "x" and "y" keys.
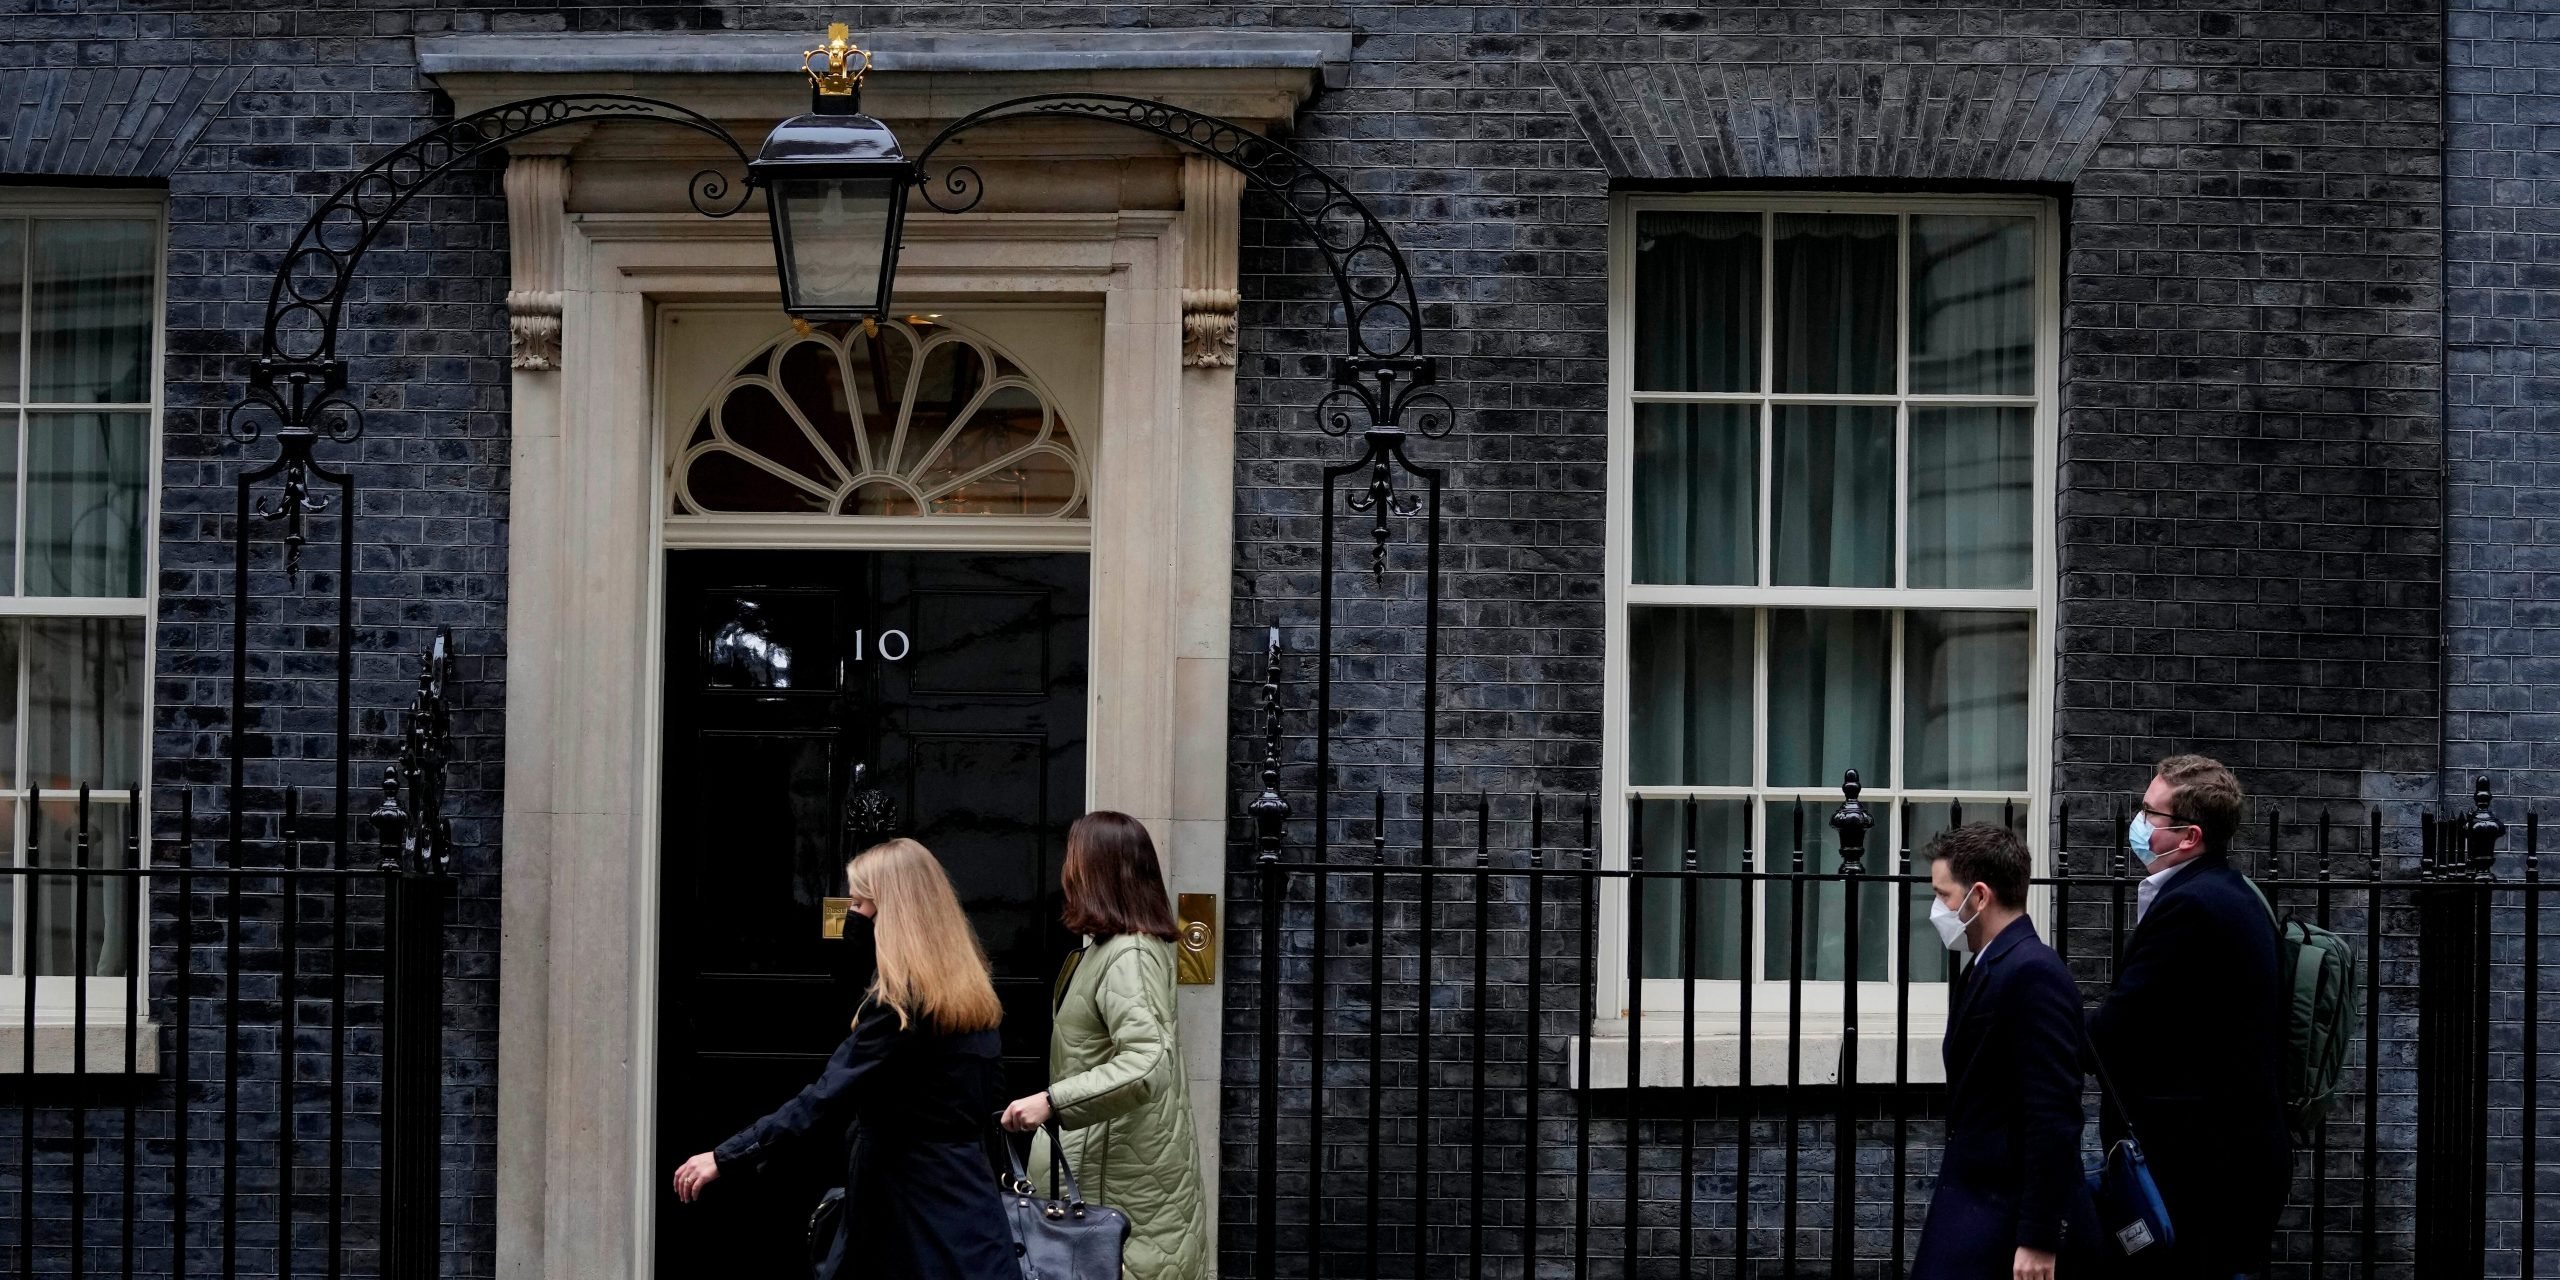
[
  {"x": 824, "y": 1221},
  {"x": 1059, "y": 1236},
  {"x": 2128, "y": 1201}
]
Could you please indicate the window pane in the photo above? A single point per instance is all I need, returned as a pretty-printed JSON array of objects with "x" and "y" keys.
[
  {"x": 1689, "y": 698},
  {"x": 1973, "y": 305},
  {"x": 1715, "y": 926},
  {"x": 1834, "y": 301},
  {"x": 1824, "y": 952},
  {"x": 1972, "y": 497},
  {"x": 9, "y": 637},
  {"x": 13, "y": 887},
  {"x": 84, "y": 702},
  {"x": 1831, "y": 496},
  {"x": 9, "y": 503},
  {"x": 13, "y": 283},
  {"x": 1964, "y": 713},
  {"x": 1697, "y": 486},
  {"x": 87, "y": 477},
  {"x": 1697, "y": 301},
  {"x": 92, "y": 309},
  {"x": 62, "y": 945},
  {"x": 1930, "y": 959},
  {"x": 1828, "y": 695}
]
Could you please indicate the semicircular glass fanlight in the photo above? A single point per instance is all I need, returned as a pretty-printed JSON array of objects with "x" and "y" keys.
[{"x": 903, "y": 420}]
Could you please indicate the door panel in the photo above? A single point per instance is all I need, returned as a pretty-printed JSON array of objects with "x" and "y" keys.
[{"x": 956, "y": 682}]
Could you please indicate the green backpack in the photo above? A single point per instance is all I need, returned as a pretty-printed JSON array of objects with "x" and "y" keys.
[{"x": 2322, "y": 991}]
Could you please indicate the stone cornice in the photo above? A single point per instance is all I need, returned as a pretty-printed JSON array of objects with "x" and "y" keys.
[{"x": 1258, "y": 79}]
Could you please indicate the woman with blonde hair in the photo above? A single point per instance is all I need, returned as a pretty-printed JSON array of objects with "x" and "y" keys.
[
  {"x": 917, "y": 1079},
  {"x": 1118, "y": 1090}
]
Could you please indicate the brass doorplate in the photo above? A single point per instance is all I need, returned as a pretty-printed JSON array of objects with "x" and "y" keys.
[
  {"x": 831, "y": 916},
  {"x": 1196, "y": 954}
]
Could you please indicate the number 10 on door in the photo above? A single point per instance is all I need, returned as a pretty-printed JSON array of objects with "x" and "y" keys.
[{"x": 892, "y": 646}]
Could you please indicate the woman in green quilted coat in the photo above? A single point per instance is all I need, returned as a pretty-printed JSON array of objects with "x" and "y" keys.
[{"x": 1117, "y": 1088}]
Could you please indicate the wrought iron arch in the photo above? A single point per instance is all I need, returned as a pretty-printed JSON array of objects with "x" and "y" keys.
[
  {"x": 1383, "y": 369},
  {"x": 300, "y": 380}
]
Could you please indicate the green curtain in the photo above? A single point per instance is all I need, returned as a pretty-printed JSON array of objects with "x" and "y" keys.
[
  {"x": 1697, "y": 301},
  {"x": 1834, "y": 302}
]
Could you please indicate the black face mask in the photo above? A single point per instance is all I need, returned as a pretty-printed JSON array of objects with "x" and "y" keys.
[{"x": 856, "y": 957}]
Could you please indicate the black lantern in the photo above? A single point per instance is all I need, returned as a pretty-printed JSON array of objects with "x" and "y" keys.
[{"x": 836, "y": 185}]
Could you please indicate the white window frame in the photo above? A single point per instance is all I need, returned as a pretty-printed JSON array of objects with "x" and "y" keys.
[
  {"x": 1719, "y": 1001},
  {"x": 56, "y": 996}
]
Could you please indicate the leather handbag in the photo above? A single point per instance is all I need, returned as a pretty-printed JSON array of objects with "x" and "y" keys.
[
  {"x": 823, "y": 1223},
  {"x": 2127, "y": 1199},
  {"x": 1059, "y": 1236}
]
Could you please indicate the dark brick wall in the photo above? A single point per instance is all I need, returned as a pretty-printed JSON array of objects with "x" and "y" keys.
[
  {"x": 2251, "y": 503},
  {"x": 2502, "y": 387},
  {"x": 247, "y": 115},
  {"x": 2251, "y": 484},
  {"x": 2502, "y": 441}
]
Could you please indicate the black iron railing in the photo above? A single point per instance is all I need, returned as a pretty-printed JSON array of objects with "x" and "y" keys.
[
  {"x": 229, "y": 1034},
  {"x": 1446, "y": 1083},
  {"x": 233, "y": 1066}
]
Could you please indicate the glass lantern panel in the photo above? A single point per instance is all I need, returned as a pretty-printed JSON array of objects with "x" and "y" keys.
[{"x": 833, "y": 235}]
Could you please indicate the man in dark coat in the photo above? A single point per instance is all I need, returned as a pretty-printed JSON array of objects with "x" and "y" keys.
[
  {"x": 2193, "y": 1032},
  {"x": 2010, "y": 1195}
]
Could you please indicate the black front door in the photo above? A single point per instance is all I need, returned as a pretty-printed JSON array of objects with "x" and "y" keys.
[{"x": 951, "y": 684}]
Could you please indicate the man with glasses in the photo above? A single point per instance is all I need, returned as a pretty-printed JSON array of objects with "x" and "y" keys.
[{"x": 2192, "y": 1033}]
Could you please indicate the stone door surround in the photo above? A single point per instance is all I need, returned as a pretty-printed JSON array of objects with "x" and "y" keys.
[{"x": 1076, "y": 213}]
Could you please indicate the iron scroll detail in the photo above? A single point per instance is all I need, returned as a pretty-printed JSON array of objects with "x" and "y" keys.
[
  {"x": 298, "y": 386},
  {"x": 1381, "y": 312},
  {"x": 1383, "y": 387},
  {"x": 415, "y": 836}
]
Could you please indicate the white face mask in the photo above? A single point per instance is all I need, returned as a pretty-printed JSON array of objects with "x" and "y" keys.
[{"x": 1951, "y": 926}]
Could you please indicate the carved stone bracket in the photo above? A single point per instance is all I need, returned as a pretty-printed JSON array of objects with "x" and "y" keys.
[
  {"x": 537, "y": 200},
  {"x": 1211, "y": 191}
]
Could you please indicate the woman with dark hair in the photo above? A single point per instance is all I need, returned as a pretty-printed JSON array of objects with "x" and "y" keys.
[{"x": 1118, "y": 1091}]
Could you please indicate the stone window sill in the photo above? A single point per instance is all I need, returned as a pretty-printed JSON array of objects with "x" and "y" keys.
[
  {"x": 1720, "y": 1055},
  {"x": 54, "y": 1042}
]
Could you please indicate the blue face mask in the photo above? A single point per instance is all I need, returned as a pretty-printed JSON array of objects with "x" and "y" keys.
[{"x": 2137, "y": 837}]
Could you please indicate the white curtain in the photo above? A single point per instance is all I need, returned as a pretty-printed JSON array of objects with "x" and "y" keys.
[
  {"x": 1964, "y": 715},
  {"x": 92, "y": 286},
  {"x": 87, "y": 481},
  {"x": 1696, "y": 500},
  {"x": 1972, "y": 497},
  {"x": 1689, "y": 703},
  {"x": 1972, "y": 305}
]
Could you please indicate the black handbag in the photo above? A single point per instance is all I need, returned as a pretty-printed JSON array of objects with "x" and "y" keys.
[
  {"x": 1059, "y": 1237},
  {"x": 823, "y": 1222}
]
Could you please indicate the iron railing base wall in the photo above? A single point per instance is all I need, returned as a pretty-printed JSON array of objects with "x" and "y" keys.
[{"x": 1518, "y": 1172}]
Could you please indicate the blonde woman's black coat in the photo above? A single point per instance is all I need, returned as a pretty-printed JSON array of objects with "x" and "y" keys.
[{"x": 920, "y": 1194}]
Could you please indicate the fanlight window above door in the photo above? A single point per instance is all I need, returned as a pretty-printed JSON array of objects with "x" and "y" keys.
[{"x": 904, "y": 420}]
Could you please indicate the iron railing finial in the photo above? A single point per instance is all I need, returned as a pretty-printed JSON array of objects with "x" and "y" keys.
[
  {"x": 1269, "y": 811},
  {"x": 2482, "y": 831},
  {"x": 1852, "y": 821}
]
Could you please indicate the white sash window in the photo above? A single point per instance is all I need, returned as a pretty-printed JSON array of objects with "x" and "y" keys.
[
  {"x": 1830, "y": 548},
  {"x": 80, "y": 321}
]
